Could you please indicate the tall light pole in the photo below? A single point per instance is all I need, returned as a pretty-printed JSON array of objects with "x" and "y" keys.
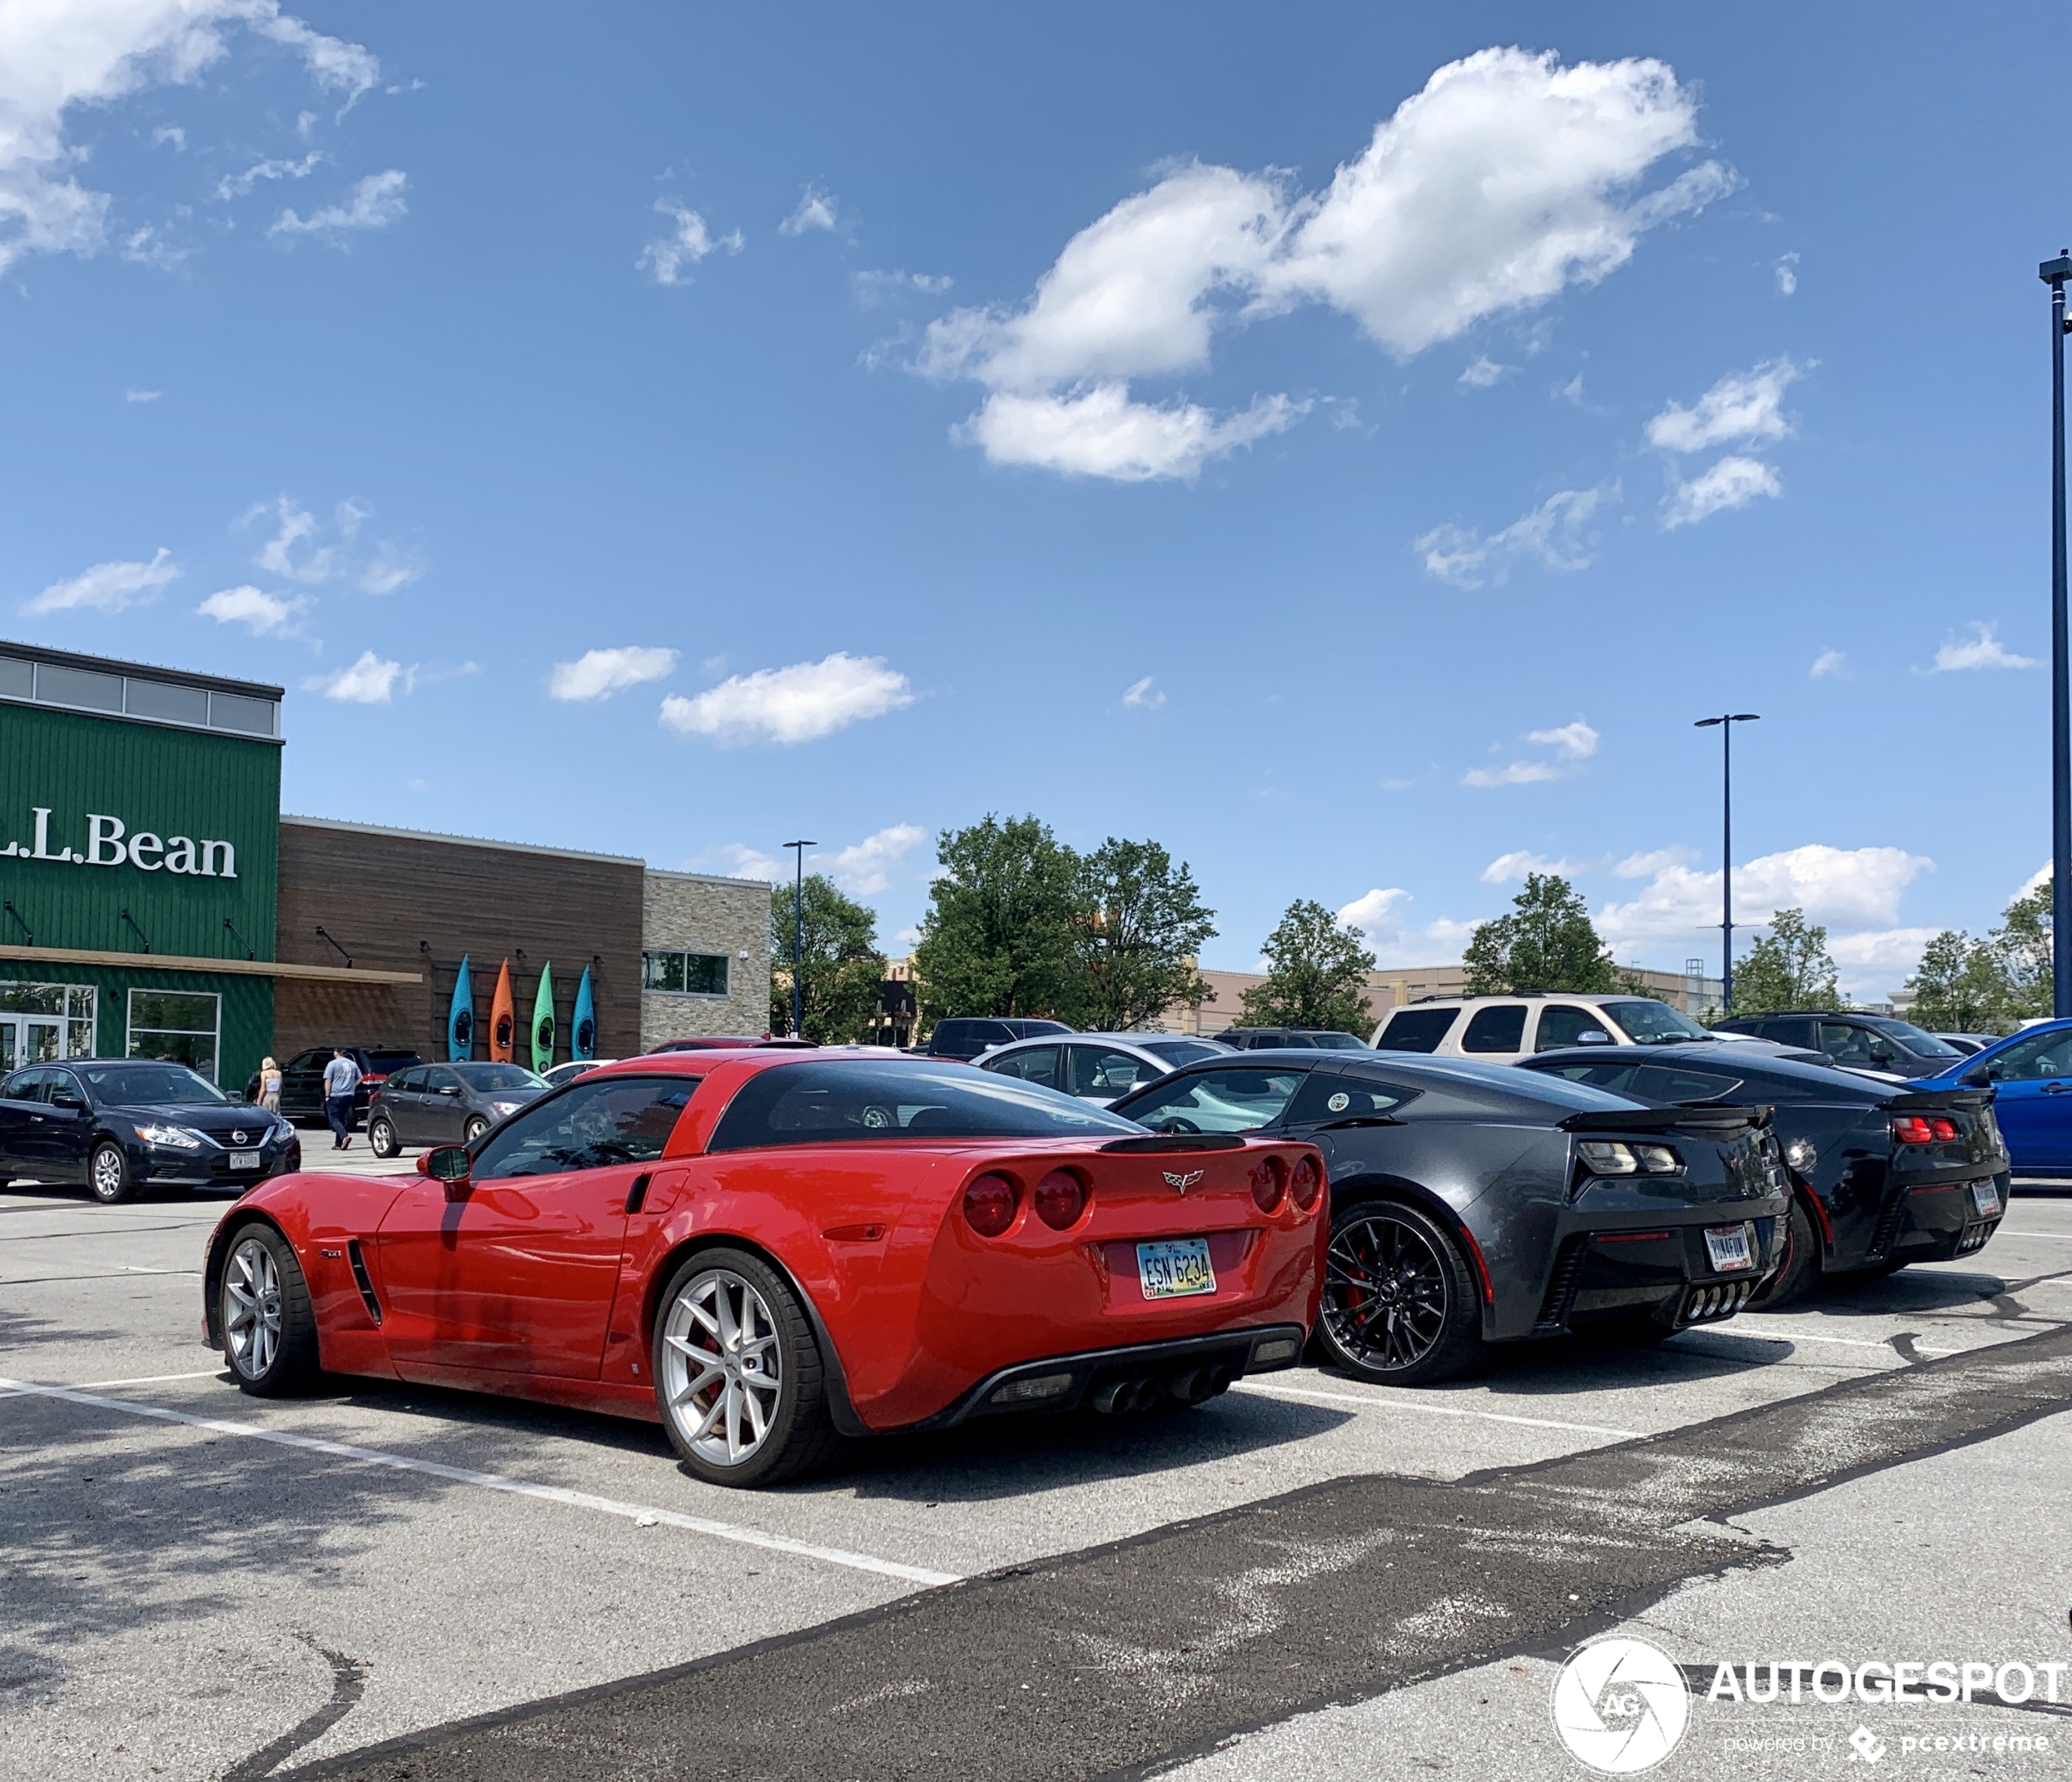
[
  {"x": 1726, "y": 720},
  {"x": 798, "y": 934},
  {"x": 2054, "y": 274}
]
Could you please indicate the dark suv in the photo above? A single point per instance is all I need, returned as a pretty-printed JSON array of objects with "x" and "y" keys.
[
  {"x": 1865, "y": 1042},
  {"x": 1319, "y": 1039},
  {"x": 966, "y": 1037},
  {"x": 302, "y": 1078}
]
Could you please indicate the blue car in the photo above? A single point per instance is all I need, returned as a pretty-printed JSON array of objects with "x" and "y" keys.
[{"x": 2030, "y": 1073}]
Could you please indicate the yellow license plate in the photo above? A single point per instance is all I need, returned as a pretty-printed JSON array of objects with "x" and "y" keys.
[{"x": 1174, "y": 1267}]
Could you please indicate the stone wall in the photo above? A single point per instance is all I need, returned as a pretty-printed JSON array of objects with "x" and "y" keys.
[{"x": 697, "y": 913}]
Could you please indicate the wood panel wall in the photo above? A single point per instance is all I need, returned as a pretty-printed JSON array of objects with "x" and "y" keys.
[{"x": 381, "y": 894}]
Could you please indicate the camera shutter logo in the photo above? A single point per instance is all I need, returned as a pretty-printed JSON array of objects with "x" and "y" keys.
[{"x": 1620, "y": 1705}]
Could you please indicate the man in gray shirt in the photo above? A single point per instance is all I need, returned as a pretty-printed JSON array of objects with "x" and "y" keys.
[{"x": 341, "y": 1078}]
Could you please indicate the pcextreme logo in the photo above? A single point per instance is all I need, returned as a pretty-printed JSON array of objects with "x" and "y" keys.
[
  {"x": 1620, "y": 1705},
  {"x": 110, "y": 843}
]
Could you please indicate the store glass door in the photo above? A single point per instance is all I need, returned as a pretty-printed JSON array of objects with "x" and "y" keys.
[{"x": 27, "y": 1039}]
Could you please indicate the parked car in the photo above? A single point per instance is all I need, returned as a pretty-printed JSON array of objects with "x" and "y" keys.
[
  {"x": 2031, "y": 1075},
  {"x": 1100, "y": 1068},
  {"x": 446, "y": 1104},
  {"x": 1473, "y": 1205},
  {"x": 1863, "y": 1041},
  {"x": 302, "y": 1079},
  {"x": 965, "y": 1036},
  {"x": 1279, "y": 1039},
  {"x": 732, "y": 1042},
  {"x": 1883, "y": 1174},
  {"x": 838, "y": 1245},
  {"x": 1501, "y": 1030},
  {"x": 117, "y": 1127},
  {"x": 574, "y": 1068},
  {"x": 1967, "y": 1043}
]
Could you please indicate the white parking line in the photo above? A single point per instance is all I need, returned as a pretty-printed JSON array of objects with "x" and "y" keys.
[
  {"x": 1368, "y": 1403},
  {"x": 1776, "y": 1335},
  {"x": 642, "y": 1514},
  {"x": 2056, "y": 1237}
]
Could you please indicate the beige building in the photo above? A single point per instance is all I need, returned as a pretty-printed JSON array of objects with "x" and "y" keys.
[{"x": 705, "y": 956}]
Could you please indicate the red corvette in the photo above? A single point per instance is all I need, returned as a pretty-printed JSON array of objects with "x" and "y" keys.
[{"x": 767, "y": 1251}]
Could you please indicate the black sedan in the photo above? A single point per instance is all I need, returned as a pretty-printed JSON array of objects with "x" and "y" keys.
[
  {"x": 1882, "y": 1174},
  {"x": 118, "y": 1126},
  {"x": 1474, "y": 1203},
  {"x": 446, "y": 1104}
]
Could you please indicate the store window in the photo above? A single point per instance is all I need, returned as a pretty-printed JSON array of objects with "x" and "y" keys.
[
  {"x": 694, "y": 974},
  {"x": 181, "y": 1026},
  {"x": 41, "y": 1023}
]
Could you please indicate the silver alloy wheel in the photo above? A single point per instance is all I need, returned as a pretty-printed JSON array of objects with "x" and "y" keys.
[
  {"x": 110, "y": 1173},
  {"x": 251, "y": 1309},
  {"x": 1386, "y": 1294},
  {"x": 722, "y": 1367}
]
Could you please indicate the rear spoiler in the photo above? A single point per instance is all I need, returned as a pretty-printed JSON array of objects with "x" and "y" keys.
[
  {"x": 1710, "y": 1117},
  {"x": 1938, "y": 1101},
  {"x": 1178, "y": 1141}
]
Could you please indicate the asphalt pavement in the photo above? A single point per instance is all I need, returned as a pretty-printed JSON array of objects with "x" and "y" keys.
[{"x": 1309, "y": 1577}]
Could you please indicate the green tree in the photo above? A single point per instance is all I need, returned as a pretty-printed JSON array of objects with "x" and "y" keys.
[
  {"x": 1960, "y": 985},
  {"x": 1316, "y": 974},
  {"x": 1547, "y": 942},
  {"x": 1789, "y": 967},
  {"x": 1141, "y": 925},
  {"x": 1000, "y": 937},
  {"x": 842, "y": 967},
  {"x": 2022, "y": 947}
]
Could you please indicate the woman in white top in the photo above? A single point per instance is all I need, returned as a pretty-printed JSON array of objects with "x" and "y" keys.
[{"x": 269, "y": 1076}]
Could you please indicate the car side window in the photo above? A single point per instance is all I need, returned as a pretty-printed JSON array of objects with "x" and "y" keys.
[
  {"x": 1848, "y": 1044},
  {"x": 1416, "y": 1030},
  {"x": 1327, "y": 1096},
  {"x": 28, "y": 1086},
  {"x": 2030, "y": 1060},
  {"x": 1563, "y": 1024},
  {"x": 590, "y": 1126},
  {"x": 404, "y": 1081},
  {"x": 1103, "y": 1071},
  {"x": 434, "y": 1079},
  {"x": 1241, "y": 1099},
  {"x": 1618, "y": 1078},
  {"x": 1501, "y": 1027},
  {"x": 1038, "y": 1064},
  {"x": 1786, "y": 1033}
]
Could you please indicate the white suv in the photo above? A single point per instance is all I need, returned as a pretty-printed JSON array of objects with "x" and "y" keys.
[{"x": 1501, "y": 1030}]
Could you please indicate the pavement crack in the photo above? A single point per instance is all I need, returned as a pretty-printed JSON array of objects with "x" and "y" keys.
[{"x": 348, "y": 1682}]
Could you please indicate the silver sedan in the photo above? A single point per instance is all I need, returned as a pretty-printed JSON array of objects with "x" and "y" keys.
[{"x": 1100, "y": 1068}]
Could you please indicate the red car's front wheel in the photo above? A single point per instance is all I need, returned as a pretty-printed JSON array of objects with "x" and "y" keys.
[{"x": 738, "y": 1372}]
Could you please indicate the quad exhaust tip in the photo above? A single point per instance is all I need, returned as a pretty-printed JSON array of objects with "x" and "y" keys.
[{"x": 1145, "y": 1392}]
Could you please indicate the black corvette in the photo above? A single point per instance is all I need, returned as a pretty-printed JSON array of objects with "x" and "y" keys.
[
  {"x": 1471, "y": 1203},
  {"x": 118, "y": 1126},
  {"x": 1883, "y": 1174}
]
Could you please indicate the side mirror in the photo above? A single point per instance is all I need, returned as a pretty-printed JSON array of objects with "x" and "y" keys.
[
  {"x": 70, "y": 1103},
  {"x": 1980, "y": 1076},
  {"x": 449, "y": 1089},
  {"x": 1882, "y": 1055},
  {"x": 450, "y": 1165},
  {"x": 1593, "y": 1036}
]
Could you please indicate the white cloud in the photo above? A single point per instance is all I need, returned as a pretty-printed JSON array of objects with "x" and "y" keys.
[
  {"x": 371, "y": 681},
  {"x": 597, "y": 674},
  {"x": 797, "y": 704},
  {"x": 1556, "y": 532},
  {"x": 1507, "y": 179},
  {"x": 1517, "y": 864},
  {"x": 1849, "y": 888},
  {"x": 375, "y": 203},
  {"x": 1787, "y": 270},
  {"x": 175, "y": 134},
  {"x": 1143, "y": 695},
  {"x": 874, "y": 289},
  {"x": 1576, "y": 741},
  {"x": 1877, "y": 962},
  {"x": 135, "y": 394},
  {"x": 1732, "y": 482},
  {"x": 58, "y": 57},
  {"x": 1515, "y": 773},
  {"x": 1981, "y": 649},
  {"x": 1570, "y": 391},
  {"x": 1744, "y": 405},
  {"x": 1380, "y": 916},
  {"x": 277, "y": 556},
  {"x": 1102, "y": 434},
  {"x": 1642, "y": 866},
  {"x": 737, "y": 860},
  {"x": 107, "y": 588},
  {"x": 236, "y": 186},
  {"x": 667, "y": 258},
  {"x": 390, "y": 569},
  {"x": 1484, "y": 372},
  {"x": 1827, "y": 664},
  {"x": 866, "y": 868},
  {"x": 262, "y": 614},
  {"x": 1375, "y": 914},
  {"x": 816, "y": 211}
]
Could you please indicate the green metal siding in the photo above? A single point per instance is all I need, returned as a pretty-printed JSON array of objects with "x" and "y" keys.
[
  {"x": 151, "y": 778},
  {"x": 246, "y": 1015}
]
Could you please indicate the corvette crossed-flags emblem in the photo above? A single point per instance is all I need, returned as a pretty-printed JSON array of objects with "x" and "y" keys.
[{"x": 1175, "y": 1179}]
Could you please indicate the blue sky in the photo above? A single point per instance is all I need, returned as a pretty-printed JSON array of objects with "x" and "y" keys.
[{"x": 1349, "y": 444}]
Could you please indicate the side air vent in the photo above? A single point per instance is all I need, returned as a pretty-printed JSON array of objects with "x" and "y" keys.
[{"x": 366, "y": 1284}]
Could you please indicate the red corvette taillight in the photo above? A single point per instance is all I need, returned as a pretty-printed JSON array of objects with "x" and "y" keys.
[
  {"x": 1060, "y": 1197},
  {"x": 1267, "y": 1184},
  {"x": 1920, "y": 1130},
  {"x": 990, "y": 1204},
  {"x": 1305, "y": 1183}
]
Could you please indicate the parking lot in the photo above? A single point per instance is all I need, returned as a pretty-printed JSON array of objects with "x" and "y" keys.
[{"x": 1297, "y": 1579}]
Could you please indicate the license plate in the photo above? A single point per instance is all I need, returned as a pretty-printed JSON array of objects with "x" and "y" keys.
[
  {"x": 1985, "y": 1198},
  {"x": 1727, "y": 1246},
  {"x": 244, "y": 1159},
  {"x": 1174, "y": 1268}
]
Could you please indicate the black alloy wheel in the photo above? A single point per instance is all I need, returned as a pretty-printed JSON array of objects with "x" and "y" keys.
[
  {"x": 1400, "y": 1306},
  {"x": 381, "y": 1137},
  {"x": 1800, "y": 1268},
  {"x": 108, "y": 1174}
]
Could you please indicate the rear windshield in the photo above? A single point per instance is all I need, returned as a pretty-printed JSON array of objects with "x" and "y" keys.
[
  {"x": 1416, "y": 1030},
  {"x": 1176, "y": 1053},
  {"x": 817, "y": 1104},
  {"x": 497, "y": 1076},
  {"x": 1336, "y": 1042},
  {"x": 1527, "y": 1085},
  {"x": 1653, "y": 1023}
]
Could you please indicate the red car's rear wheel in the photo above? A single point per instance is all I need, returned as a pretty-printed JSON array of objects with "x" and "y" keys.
[{"x": 738, "y": 1372}]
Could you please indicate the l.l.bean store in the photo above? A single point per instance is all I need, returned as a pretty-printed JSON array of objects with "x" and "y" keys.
[{"x": 156, "y": 903}]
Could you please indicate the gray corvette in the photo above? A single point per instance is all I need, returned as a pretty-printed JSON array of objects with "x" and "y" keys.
[{"x": 1473, "y": 1205}]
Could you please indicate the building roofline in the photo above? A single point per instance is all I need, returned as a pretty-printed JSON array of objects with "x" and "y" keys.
[
  {"x": 460, "y": 841},
  {"x": 704, "y": 878},
  {"x": 143, "y": 671}
]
